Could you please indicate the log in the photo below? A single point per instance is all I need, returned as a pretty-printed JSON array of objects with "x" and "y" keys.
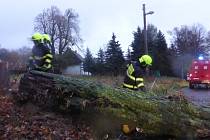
[{"x": 155, "y": 115}]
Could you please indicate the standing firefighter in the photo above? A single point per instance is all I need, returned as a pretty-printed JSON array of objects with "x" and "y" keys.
[
  {"x": 41, "y": 58},
  {"x": 46, "y": 40},
  {"x": 134, "y": 74}
]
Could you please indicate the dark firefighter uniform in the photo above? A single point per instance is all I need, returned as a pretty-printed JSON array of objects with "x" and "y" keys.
[
  {"x": 134, "y": 74},
  {"x": 41, "y": 58}
]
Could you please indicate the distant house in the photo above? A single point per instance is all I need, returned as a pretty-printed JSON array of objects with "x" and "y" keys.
[{"x": 77, "y": 67}]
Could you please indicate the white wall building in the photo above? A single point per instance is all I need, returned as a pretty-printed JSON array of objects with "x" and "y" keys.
[{"x": 76, "y": 69}]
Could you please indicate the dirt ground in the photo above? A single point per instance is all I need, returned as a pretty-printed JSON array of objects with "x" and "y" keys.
[{"x": 29, "y": 122}]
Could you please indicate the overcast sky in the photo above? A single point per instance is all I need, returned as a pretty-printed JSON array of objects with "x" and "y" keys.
[{"x": 100, "y": 18}]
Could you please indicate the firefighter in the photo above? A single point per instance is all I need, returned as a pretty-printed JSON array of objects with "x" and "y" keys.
[
  {"x": 46, "y": 40},
  {"x": 41, "y": 58},
  {"x": 134, "y": 74}
]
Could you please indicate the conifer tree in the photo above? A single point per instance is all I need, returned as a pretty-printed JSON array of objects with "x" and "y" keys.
[
  {"x": 100, "y": 56},
  {"x": 138, "y": 44},
  {"x": 128, "y": 55},
  {"x": 114, "y": 57},
  {"x": 100, "y": 62},
  {"x": 88, "y": 64},
  {"x": 161, "y": 61}
]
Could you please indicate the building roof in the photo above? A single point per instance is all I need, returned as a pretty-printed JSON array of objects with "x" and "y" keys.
[
  {"x": 72, "y": 57},
  {"x": 78, "y": 56}
]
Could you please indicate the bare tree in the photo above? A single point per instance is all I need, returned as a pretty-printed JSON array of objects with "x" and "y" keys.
[
  {"x": 24, "y": 54},
  {"x": 207, "y": 39},
  {"x": 63, "y": 28},
  {"x": 189, "y": 40},
  {"x": 188, "y": 43}
]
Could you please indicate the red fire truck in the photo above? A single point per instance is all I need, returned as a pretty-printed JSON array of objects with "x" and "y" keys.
[{"x": 199, "y": 73}]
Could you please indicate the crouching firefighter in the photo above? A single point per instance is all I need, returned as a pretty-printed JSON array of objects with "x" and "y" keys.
[
  {"x": 41, "y": 58},
  {"x": 135, "y": 71}
]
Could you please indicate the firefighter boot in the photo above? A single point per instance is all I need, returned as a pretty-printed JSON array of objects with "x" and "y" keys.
[{"x": 142, "y": 89}]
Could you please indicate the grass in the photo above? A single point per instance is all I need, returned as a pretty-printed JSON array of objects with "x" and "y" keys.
[
  {"x": 166, "y": 85},
  {"x": 157, "y": 86}
]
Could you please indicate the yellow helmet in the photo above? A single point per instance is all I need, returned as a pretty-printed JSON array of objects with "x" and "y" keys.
[
  {"x": 46, "y": 37},
  {"x": 128, "y": 128},
  {"x": 146, "y": 58},
  {"x": 36, "y": 37},
  {"x": 125, "y": 129}
]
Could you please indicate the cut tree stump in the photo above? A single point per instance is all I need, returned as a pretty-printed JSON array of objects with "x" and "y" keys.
[{"x": 155, "y": 115}]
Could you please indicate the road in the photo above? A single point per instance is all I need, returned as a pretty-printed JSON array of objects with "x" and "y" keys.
[{"x": 198, "y": 96}]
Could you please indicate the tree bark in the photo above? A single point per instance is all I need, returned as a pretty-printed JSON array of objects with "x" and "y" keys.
[{"x": 155, "y": 115}]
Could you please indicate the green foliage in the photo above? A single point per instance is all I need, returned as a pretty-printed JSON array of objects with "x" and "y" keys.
[
  {"x": 108, "y": 62},
  {"x": 157, "y": 48},
  {"x": 101, "y": 57},
  {"x": 160, "y": 55},
  {"x": 128, "y": 55},
  {"x": 138, "y": 44},
  {"x": 155, "y": 115},
  {"x": 100, "y": 63},
  {"x": 151, "y": 38},
  {"x": 88, "y": 63},
  {"x": 114, "y": 57}
]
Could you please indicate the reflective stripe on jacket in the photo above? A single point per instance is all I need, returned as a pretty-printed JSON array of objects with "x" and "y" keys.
[
  {"x": 133, "y": 78},
  {"x": 41, "y": 58}
]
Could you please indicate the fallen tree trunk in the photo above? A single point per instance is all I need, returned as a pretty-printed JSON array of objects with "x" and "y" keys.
[{"x": 156, "y": 116}]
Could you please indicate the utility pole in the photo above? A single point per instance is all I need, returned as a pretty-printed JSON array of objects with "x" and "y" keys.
[
  {"x": 145, "y": 31},
  {"x": 145, "y": 27}
]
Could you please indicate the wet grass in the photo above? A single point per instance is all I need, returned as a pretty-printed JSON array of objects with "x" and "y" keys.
[{"x": 158, "y": 86}]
